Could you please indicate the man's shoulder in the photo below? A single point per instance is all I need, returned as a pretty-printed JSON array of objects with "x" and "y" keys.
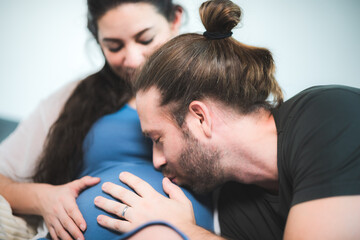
[
  {"x": 325, "y": 94},
  {"x": 320, "y": 102}
]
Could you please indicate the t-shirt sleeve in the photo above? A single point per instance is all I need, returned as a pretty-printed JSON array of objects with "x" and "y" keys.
[
  {"x": 325, "y": 160},
  {"x": 21, "y": 150}
]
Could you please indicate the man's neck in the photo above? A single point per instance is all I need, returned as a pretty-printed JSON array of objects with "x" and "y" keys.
[{"x": 251, "y": 143}]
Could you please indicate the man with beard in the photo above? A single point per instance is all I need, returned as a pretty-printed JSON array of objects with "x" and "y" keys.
[{"x": 216, "y": 114}]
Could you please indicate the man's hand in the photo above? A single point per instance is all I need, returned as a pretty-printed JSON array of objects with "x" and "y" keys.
[
  {"x": 144, "y": 205},
  {"x": 57, "y": 205}
]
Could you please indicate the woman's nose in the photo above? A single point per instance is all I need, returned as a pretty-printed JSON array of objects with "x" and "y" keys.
[{"x": 133, "y": 57}]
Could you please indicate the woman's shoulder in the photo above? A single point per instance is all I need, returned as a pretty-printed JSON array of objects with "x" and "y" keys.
[
  {"x": 64, "y": 92},
  {"x": 53, "y": 103}
]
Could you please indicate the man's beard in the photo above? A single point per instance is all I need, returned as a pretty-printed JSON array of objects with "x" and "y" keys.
[{"x": 199, "y": 164}]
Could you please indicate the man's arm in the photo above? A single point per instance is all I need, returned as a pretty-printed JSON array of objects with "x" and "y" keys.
[
  {"x": 327, "y": 218},
  {"x": 146, "y": 205}
]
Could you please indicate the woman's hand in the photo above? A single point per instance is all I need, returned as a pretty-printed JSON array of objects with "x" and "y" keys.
[
  {"x": 144, "y": 205},
  {"x": 57, "y": 205}
]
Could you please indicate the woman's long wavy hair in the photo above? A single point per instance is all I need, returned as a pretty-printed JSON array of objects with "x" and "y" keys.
[{"x": 97, "y": 95}]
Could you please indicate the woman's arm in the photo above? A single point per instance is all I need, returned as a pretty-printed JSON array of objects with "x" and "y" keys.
[
  {"x": 56, "y": 204},
  {"x": 18, "y": 158}
]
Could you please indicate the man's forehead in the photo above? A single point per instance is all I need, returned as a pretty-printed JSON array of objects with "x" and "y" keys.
[
  {"x": 153, "y": 117},
  {"x": 150, "y": 97}
]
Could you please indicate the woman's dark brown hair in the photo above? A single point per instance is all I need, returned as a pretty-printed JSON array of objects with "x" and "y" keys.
[
  {"x": 97, "y": 95},
  {"x": 193, "y": 67}
]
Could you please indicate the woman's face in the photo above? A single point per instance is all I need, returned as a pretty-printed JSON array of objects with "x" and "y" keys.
[{"x": 131, "y": 32}]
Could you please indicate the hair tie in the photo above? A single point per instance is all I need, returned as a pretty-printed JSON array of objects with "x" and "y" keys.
[{"x": 217, "y": 35}]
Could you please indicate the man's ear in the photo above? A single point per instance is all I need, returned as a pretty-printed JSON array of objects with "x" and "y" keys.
[
  {"x": 201, "y": 112},
  {"x": 176, "y": 22}
]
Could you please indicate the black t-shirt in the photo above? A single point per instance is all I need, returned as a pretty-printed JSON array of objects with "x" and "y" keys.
[
  {"x": 318, "y": 157},
  {"x": 248, "y": 212},
  {"x": 318, "y": 145}
]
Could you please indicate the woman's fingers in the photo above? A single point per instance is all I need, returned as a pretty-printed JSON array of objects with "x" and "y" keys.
[
  {"x": 68, "y": 225},
  {"x": 60, "y": 232},
  {"x": 74, "y": 213},
  {"x": 83, "y": 183},
  {"x": 53, "y": 233}
]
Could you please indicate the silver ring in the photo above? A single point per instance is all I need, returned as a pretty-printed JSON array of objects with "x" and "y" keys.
[{"x": 124, "y": 211}]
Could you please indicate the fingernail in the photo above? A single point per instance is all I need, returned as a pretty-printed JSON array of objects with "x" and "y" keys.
[
  {"x": 97, "y": 200},
  {"x": 82, "y": 227},
  {"x": 105, "y": 186},
  {"x": 121, "y": 174},
  {"x": 99, "y": 218}
]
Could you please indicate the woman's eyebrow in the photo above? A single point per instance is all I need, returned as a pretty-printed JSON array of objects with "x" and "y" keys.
[
  {"x": 142, "y": 32},
  {"x": 111, "y": 40},
  {"x": 137, "y": 35}
]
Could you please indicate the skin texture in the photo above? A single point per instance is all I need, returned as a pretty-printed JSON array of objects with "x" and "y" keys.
[{"x": 127, "y": 35}]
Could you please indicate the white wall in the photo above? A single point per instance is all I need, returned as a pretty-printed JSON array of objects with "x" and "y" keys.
[{"x": 44, "y": 44}]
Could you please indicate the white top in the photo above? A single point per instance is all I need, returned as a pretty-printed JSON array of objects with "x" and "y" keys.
[{"x": 20, "y": 151}]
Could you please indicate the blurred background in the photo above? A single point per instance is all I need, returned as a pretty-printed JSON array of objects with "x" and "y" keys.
[{"x": 45, "y": 44}]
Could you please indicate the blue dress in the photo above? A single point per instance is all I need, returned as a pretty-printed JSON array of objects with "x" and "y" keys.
[{"x": 115, "y": 144}]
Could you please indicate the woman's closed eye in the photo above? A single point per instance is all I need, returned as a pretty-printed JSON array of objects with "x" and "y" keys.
[
  {"x": 113, "y": 45},
  {"x": 115, "y": 49},
  {"x": 146, "y": 42}
]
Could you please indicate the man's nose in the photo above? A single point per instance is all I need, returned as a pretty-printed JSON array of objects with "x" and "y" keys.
[{"x": 158, "y": 158}]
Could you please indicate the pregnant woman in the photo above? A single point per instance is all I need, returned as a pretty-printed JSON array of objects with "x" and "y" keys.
[{"x": 91, "y": 127}]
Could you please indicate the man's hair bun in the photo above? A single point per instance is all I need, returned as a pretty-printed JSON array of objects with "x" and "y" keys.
[{"x": 219, "y": 16}]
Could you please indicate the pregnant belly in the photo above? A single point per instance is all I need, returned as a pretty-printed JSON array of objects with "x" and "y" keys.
[{"x": 202, "y": 205}]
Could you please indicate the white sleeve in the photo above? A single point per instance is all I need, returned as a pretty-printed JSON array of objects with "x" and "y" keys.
[{"x": 20, "y": 152}]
